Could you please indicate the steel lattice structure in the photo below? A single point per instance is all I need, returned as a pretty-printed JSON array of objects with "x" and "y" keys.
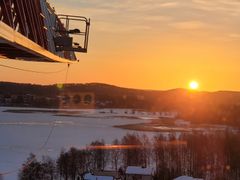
[{"x": 30, "y": 30}]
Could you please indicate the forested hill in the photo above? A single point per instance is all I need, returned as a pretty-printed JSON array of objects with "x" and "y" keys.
[
  {"x": 215, "y": 106},
  {"x": 128, "y": 98}
]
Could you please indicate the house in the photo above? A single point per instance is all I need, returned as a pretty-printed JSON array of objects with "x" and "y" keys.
[
  {"x": 90, "y": 176},
  {"x": 139, "y": 173},
  {"x": 108, "y": 173},
  {"x": 187, "y": 178}
]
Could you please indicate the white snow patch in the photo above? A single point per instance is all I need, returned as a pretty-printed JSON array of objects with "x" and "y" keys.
[{"x": 187, "y": 178}]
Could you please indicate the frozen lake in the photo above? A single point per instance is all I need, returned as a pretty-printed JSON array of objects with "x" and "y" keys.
[{"x": 23, "y": 132}]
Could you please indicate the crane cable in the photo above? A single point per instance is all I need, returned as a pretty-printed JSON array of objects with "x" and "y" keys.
[
  {"x": 32, "y": 71},
  {"x": 42, "y": 146}
]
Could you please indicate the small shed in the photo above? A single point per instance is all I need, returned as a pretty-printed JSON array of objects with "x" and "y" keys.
[{"x": 139, "y": 173}]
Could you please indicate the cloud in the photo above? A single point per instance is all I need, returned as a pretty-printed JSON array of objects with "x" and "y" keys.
[
  {"x": 222, "y": 6},
  {"x": 169, "y": 4},
  {"x": 111, "y": 27},
  {"x": 119, "y": 16},
  {"x": 129, "y": 15},
  {"x": 235, "y": 35},
  {"x": 188, "y": 25},
  {"x": 158, "y": 18}
]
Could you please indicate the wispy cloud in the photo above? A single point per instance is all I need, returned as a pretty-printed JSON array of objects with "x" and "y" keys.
[
  {"x": 228, "y": 7},
  {"x": 129, "y": 15},
  {"x": 157, "y": 18},
  {"x": 235, "y": 35},
  {"x": 169, "y": 4},
  {"x": 188, "y": 25},
  {"x": 111, "y": 27}
]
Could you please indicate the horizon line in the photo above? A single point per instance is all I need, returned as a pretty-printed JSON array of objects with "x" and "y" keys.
[{"x": 118, "y": 86}]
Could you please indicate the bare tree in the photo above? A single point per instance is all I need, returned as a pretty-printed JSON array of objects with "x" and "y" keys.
[
  {"x": 98, "y": 154},
  {"x": 33, "y": 169},
  {"x": 115, "y": 154},
  {"x": 132, "y": 155},
  {"x": 146, "y": 150}
]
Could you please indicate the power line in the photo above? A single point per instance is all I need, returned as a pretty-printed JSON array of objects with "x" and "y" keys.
[
  {"x": 66, "y": 76},
  {"x": 32, "y": 71},
  {"x": 53, "y": 124}
]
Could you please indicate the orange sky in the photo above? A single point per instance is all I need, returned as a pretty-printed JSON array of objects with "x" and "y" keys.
[{"x": 150, "y": 44}]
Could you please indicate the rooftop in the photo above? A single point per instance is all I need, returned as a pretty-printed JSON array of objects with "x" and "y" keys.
[
  {"x": 187, "y": 178},
  {"x": 139, "y": 170},
  {"x": 90, "y": 176}
]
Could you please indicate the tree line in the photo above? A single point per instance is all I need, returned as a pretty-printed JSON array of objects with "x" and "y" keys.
[{"x": 207, "y": 156}]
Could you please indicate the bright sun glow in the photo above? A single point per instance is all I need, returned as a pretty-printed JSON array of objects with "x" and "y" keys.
[{"x": 193, "y": 85}]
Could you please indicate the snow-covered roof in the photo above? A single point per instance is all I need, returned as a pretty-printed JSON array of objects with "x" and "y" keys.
[
  {"x": 89, "y": 176},
  {"x": 187, "y": 178},
  {"x": 139, "y": 170}
]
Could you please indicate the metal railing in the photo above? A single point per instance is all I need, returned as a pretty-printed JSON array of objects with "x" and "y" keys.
[{"x": 64, "y": 31}]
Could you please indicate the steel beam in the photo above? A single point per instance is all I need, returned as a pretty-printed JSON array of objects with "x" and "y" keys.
[{"x": 21, "y": 43}]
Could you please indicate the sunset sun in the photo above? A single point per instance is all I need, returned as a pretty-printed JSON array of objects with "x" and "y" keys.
[{"x": 193, "y": 85}]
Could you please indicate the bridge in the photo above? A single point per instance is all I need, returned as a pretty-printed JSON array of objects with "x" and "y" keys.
[{"x": 31, "y": 30}]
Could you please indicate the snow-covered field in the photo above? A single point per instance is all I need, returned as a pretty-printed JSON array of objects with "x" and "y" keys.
[{"x": 24, "y": 132}]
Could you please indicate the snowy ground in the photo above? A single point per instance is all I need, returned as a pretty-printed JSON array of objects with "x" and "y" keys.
[{"x": 24, "y": 132}]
